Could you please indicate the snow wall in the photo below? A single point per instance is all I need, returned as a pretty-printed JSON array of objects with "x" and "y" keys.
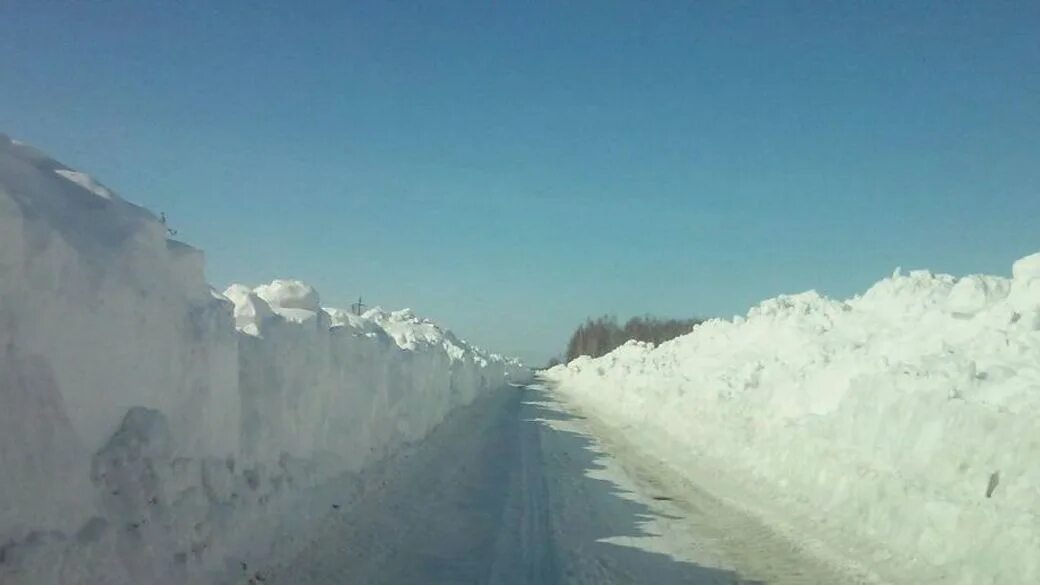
[
  {"x": 900, "y": 426},
  {"x": 153, "y": 430}
]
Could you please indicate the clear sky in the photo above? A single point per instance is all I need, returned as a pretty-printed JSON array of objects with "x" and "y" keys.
[{"x": 509, "y": 168}]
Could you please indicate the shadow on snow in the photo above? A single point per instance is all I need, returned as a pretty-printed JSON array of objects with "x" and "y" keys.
[
  {"x": 627, "y": 520},
  {"x": 497, "y": 494}
]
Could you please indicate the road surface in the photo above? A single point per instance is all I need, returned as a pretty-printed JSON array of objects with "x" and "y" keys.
[{"x": 515, "y": 489}]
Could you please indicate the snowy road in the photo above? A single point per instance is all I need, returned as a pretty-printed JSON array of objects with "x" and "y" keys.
[{"x": 515, "y": 489}]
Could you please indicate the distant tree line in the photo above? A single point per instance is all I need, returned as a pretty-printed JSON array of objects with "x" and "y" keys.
[{"x": 596, "y": 337}]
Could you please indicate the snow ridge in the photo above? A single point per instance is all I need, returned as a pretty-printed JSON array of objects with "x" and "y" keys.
[
  {"x": 153, "y": 430},
  {"x": 903, "y": 419},
  {"x": 86, "y": 181}
]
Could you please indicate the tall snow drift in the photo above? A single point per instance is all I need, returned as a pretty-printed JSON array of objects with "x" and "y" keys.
[
  {"x": 900, "y": 424},
  {"x": 155, "y": 431}
]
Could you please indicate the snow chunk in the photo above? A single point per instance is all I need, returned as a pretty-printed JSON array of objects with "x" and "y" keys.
[
  {"x": 975, "y": 293},
  {"x": 406, "y": 328},
  {"x": 411, "y": 332},
  {"x": 1027, "y": 267},
  {"x": 250, "y": 310},
  {"x": 289, "y": 294},
  {"x": 807, "y": 304},
  {"x": 291, "y": 299},
  {"x": 1025, "y": 287},
  {"x": 359, "y": 324},
  {"x": 86, "y": 181}
]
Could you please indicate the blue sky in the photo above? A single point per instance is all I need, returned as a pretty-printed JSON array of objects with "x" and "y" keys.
[{"x": 510, "y": 168}]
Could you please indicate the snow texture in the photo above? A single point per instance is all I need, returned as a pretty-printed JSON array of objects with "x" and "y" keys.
[
  {"x": 903, "y": 420},
  {"x": 155, "y": 431},
  {"x": 86, "y": 181}
]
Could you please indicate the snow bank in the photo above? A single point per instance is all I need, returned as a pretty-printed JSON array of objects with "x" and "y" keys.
[
  {"x": 155, "y": 431},
  {"x": 902, "y": 421}
]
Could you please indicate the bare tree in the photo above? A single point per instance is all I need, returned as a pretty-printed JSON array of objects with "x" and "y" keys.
[{"x": 597, "y": 337}]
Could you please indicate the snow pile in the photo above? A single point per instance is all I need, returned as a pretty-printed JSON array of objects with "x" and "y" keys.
[
  {"x": 902, "y": 421},
  {"x": 292, "y": 299},
  {"x": 250, "y": 311},
  {"x": 155, "y": 431},
  {"x": 368, "y": 371}
]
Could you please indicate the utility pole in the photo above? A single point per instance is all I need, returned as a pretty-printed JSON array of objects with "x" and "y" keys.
[{"x": 358, "y": 306}]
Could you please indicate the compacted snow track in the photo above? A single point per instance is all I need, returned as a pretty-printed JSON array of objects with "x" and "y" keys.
[{"x": 516, "y": 489}]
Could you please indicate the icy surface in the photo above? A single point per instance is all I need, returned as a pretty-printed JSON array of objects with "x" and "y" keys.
[
  {"x": 154, "y": 431},
  {"x": 902, "y": 421},
  {"x": 516, "y": 489}
]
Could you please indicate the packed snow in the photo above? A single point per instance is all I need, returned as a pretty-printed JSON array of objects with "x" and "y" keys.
[
  {"x": 153, "y": 430},
  {"x": 901, "y": 421}
]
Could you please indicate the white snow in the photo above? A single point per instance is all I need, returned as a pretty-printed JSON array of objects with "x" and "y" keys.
[
  {"x": 878, "y": 423},
  {"x": 1026, "y": 269},
  {"x": 291, "y": 295},
  {"x": 86, "y": 181},
  {"x": 154, "y": 431},
  {"x": 251, "y": 311}
]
